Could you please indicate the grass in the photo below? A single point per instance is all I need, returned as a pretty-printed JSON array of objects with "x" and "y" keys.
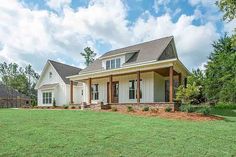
[{"x": 86, "y": 133}]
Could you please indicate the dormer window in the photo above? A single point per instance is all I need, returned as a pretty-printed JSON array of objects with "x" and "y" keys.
[
  {"x": 113, "y": 64},
  {"x": 50, "y": 74}
]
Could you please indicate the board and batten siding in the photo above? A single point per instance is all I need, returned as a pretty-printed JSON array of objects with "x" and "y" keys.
[
  {"x": 159, "y": 88},
  {"x": 147, "y": 88}
]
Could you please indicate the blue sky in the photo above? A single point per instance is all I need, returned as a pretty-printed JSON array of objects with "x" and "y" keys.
[{"x": 36, "y": 30}]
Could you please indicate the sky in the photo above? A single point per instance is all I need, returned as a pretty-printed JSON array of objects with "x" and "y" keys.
[{"x": 33, "y": 31}]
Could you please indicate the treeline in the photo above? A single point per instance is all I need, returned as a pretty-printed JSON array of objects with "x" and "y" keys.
[
  {"x": 22, "y": 79},
  {"x": 217, "y": 83}
]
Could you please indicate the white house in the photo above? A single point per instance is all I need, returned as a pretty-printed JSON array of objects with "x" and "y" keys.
[
  {"x": 140, "y": 74},
  {"x": 53, "y": 84}
]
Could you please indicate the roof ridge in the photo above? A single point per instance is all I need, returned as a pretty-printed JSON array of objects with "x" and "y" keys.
[
  {"x": 64, "y": 64},
  {"x": 138, "y": 44}
]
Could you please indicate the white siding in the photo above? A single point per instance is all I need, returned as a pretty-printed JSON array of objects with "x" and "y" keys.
[
  {"x": 159, "y": 88},
  {"x": 61, "y": 93},
  {"x": 147, "y": 88}
]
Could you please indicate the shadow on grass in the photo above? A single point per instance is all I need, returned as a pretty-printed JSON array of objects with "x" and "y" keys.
[{"x": 223, "y": 112}]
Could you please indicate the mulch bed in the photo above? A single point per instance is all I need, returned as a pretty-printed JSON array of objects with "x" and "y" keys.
[{"x": 172, "y": 115}]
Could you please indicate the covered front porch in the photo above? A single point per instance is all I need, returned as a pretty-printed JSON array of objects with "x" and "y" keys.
[{"x": 136, "y": 87}]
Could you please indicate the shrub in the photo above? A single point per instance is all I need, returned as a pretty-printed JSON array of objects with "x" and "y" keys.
[
  {"x": 114, "y": 109},
  {"x": 188, "y": 94},
  {"x": 204, "y": 111},
  {"x": 187, "y": 108},
  {"x": 65, "y": 106},
  {"x": 54, "y": 102},
  {"x": 225, "y": 106},
  {"x": 168, "y": 109},
  {"x": 130, "y": 108},
  {"x": 72, "y": 107},
  {"x": 145, "y": 108},
  {"x": 154, "y": 110},
  {"x": 33, "y": 103}
]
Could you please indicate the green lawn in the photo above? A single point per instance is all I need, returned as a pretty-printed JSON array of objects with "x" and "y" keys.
[{"x": 87, "y": 133}]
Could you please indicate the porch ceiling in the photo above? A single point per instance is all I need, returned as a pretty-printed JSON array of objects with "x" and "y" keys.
[{"x": 164, "y": 72}]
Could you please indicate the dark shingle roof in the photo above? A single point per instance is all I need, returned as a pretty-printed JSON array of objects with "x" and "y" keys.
[
  {"x": 146, "y": 51},
  {"x": 65, "y": 70},
  {"x": 8, "y": 92}
]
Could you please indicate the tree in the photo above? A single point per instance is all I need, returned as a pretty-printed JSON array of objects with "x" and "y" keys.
[
  {"x": 198, "y": 77},
  {"x": 89, "y": 55},
  {"x": 220, "y": 80},
  {"x": 228, "y": 7},
  {"x": 21, "y": 79}
]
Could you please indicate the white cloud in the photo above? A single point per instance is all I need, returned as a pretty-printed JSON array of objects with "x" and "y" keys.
[
  {"x": 58, "y": 4},
  {"x": 32, "y": 36}
]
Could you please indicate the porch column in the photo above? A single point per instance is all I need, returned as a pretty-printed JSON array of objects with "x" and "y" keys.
[
  {"x": 110, "y": 89},
  {"x": 71, "y": 92},
  {"x": 89, "y": 90},
  {"x": 138, "y": 87},
  {"x": 180, "y": 79},
  {"x": 171, "y": 84}
]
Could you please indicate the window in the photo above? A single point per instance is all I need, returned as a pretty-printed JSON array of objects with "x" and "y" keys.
[
  {"x": 47, "y": 97},
  {"x": 95, "y": 94},
  {"x": 108, "y": 64},
  {"x": 112, "y": 64},
  {"x": 118, "y": 63},
  {"x": 133, "y": 89},
  {"x": 50, "y": 74}
]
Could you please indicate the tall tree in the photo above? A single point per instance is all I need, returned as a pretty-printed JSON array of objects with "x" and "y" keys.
[
  {"x": 228, "y": 7},
  {"x": 221, "y": 71},
  {"x": 89, "y": 56},
  {"x": 21, "y": 79}
]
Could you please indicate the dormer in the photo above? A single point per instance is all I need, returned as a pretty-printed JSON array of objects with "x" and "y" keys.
[{"x": 116, "y": 61}]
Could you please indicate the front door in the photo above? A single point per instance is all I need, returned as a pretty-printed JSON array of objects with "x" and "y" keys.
[{"x": 115, "y": 92}]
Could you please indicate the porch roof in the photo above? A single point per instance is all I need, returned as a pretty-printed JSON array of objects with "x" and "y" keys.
[{"x": 147, "y": 66}]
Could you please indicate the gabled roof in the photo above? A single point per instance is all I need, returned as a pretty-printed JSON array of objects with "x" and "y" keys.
[
  {"x": 143, "y": 52},
  {"x": 8, "y": 92},
  {"x": 64, "y": 70}
]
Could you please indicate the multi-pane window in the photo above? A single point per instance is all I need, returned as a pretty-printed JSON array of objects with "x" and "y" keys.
[
  {"x": 47, "y": 97},
  {"x": 108, "y": 64},
  {"x": 112, "y": 64},
  {"x": 95, "y": 94},
  {"x": 133, "y": 89},
  {"x": 118, "y": 63}
]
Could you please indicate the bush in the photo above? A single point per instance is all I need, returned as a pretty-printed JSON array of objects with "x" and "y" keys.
[
  {"x": 204, "y": 110},
  {"x": 189, "y": 94},
  {"x": 65, "y": 106},
  {"x": 54, "y": 102},
  {"x": 225, "y": 106},
  {"x": 130, "y": 108},
  {"x": 168, "y": 109},
  {"x": 114, "y": 109},
  {"x": 154, "y": 110},
  {"x": 33, "y": 103},
  {"x": 72, "y": 107},
  {"x": 187, "y": 108},
  {"x": 145, "y": 108}
]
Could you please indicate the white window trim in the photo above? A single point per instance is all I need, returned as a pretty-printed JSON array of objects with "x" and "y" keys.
[
  {"x": 115, "y": 59},
  {"x": 135, "y": 89},
  {"x": 46, "y": 98}
]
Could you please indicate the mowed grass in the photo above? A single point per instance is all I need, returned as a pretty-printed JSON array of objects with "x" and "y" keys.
[{"x": 87, "y": 133}]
